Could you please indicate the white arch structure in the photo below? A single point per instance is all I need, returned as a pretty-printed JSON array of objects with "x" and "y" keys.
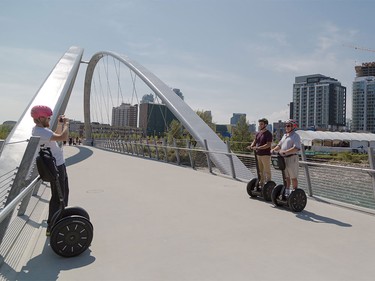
[
  {"x": 55, "y": 93},
  {"x": 190, "y": 120}
]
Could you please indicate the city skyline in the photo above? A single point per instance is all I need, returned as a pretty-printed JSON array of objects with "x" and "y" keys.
[{"x": 241, "y": 57}]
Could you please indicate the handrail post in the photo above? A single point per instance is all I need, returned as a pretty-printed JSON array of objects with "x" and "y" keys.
[
  {"x": 26, "y": 199},
  {"x": 165, "y": 150},
  {"x": 127, "y": 147},
  {"x": 208, "y": 156},
  {"x": 131, "y": 147},
  {"x": 156, "y": 150},
  {"x": 307, "y": 172},
  {"x": 142, "y": 147},
  {"x": 122, "y": 143},
  {"x": 177, "y": 152},
  {"x": 188, "y": 144},
  {"x": 148, "y": 148},
  {"x": 372, "y": 165},
  {"x": 231, "y": 160},
  {"x": 136, "y": 145}
]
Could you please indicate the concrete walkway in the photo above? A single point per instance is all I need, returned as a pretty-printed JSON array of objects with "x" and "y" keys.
[{"x": 156, "y": 221}]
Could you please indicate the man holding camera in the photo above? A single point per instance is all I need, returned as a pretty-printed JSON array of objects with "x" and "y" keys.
[{"x": 48, "y": 139}]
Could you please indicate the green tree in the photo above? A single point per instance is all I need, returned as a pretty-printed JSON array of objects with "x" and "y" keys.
[
  {"x": 4, "y": 131},
  {"x": 207, "y": 118},
  {"x": 241, "y": 136},
  {"x": 174, "y": 131}
]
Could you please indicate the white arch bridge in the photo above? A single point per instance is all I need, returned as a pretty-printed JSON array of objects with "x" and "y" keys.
[{"x": 56, "y": 91}]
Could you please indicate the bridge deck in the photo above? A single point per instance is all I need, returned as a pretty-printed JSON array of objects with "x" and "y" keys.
[{"x": 156, "y": 221}]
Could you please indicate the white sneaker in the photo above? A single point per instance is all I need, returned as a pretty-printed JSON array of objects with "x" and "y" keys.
[{"x": 287, "y": 192}]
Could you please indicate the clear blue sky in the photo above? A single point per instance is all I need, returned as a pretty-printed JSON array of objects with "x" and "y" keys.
[{"x": 225, "y": 55}]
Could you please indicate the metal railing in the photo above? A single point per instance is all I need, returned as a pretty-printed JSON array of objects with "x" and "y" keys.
[
  {"x": 348, "y": 185},
  {"x": 351, "y": 185},
  {"x": 17, "y": 187}
]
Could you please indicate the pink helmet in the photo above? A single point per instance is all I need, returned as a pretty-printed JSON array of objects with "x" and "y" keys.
[
  {"x": 40, "y": 111},
  {"x": 293, "y": 123}
]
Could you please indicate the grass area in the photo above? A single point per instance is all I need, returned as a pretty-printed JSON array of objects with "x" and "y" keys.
[{"x": 346, "y": 157}]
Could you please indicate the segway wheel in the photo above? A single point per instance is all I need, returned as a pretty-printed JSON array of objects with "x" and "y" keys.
[
  {"x": 276, "y": 192},
  {"x": 70, "y": 211},
  {"x": 75, "y": 211},
  {"x": 251, "y": 186},
  {"x": 267, "y": 190},
  {"x": 297, "y": 200},
  {"x": 71, "y": 236}
]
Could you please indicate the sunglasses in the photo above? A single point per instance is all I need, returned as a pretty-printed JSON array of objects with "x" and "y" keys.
[{"x": 290, "y": 126}]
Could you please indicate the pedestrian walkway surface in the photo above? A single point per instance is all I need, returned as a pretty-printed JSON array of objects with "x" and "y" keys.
[{"x": 157, "y": 221}]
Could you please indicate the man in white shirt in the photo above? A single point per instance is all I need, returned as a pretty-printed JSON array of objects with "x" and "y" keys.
[
  {"x": 42, "y": 116},
  {"x": 288, "y": 147}
]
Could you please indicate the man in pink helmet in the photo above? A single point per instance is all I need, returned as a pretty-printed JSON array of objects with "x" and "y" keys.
[{"x": 42, "y": 116}]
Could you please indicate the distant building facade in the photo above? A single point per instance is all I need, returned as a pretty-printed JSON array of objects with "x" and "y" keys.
[
  {"x": 236, "y": 117},
  {"x": 154, "y": 119},
  {"x": 77, "y": 127},
  {"x": 278, "y": 130},
  {"x": 125, "y": 115},
  {"x": 319, "y": 102},
  {"x": 366, "y": 69},
  {"x": 363, "y": 104},
  {"x": 224, "y": 130}
]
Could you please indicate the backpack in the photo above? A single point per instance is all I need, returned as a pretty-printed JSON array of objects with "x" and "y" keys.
[{"x": 46, "y": 165}]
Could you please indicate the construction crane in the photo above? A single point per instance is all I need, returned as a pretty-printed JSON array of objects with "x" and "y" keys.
[{"x": 359, "y": 48}]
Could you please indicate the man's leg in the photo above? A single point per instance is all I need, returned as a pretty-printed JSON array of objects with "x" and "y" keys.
[
  {"x": 267, "y": 168},
  {"x": 261, "y": 170},
  {"x": 64, "y": 184}
]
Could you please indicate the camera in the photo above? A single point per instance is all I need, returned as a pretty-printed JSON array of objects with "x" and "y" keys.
[{"x": 61, "y": 120}]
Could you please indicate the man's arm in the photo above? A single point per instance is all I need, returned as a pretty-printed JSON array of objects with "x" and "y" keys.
[{"x": 64, "y": 133}]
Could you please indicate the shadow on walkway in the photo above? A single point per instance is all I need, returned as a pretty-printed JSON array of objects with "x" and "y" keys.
[
  {"x": 83, "y": 154},
  {"x": 49, "y": 265},
  {"x": 309, "y": 216}
]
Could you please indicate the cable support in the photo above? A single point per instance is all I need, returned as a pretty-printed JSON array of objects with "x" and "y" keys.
[
  {"x": 134, "y": 93},
  {"x": 7, "y": 173},
  {"x": 15, "y": 142},
  {"x": 3, "y": 193},
  {"x": 119, "y": 88},
  {"x": 7, "y": 181},
  {"x": 108, "y": 86}
]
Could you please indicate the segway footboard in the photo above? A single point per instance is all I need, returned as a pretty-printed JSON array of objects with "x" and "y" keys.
[{"x": 278, "y": 199}]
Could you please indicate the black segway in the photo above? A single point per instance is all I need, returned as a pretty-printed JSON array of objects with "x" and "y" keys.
[
  {"x": 253, "y": 187},
  {"x": 297, "y": 200},
  {"x": 71, "y": 229}
]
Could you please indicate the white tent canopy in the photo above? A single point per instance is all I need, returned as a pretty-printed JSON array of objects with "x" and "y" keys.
[{"x": 356, "y": 140}]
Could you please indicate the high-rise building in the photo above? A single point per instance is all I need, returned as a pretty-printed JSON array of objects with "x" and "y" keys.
[
  {"x": 154, "y": 118},
  {"x": 125, "y": 115},
  {"x": 235, "y": 118},
  {"x": 319, "y": 102},
  {"x": 366, "y": 69},
  {"x": 363, "y": 104}
]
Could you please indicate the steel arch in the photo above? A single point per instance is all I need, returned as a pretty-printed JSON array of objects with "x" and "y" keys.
[{"x": 190, "y": 120}]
